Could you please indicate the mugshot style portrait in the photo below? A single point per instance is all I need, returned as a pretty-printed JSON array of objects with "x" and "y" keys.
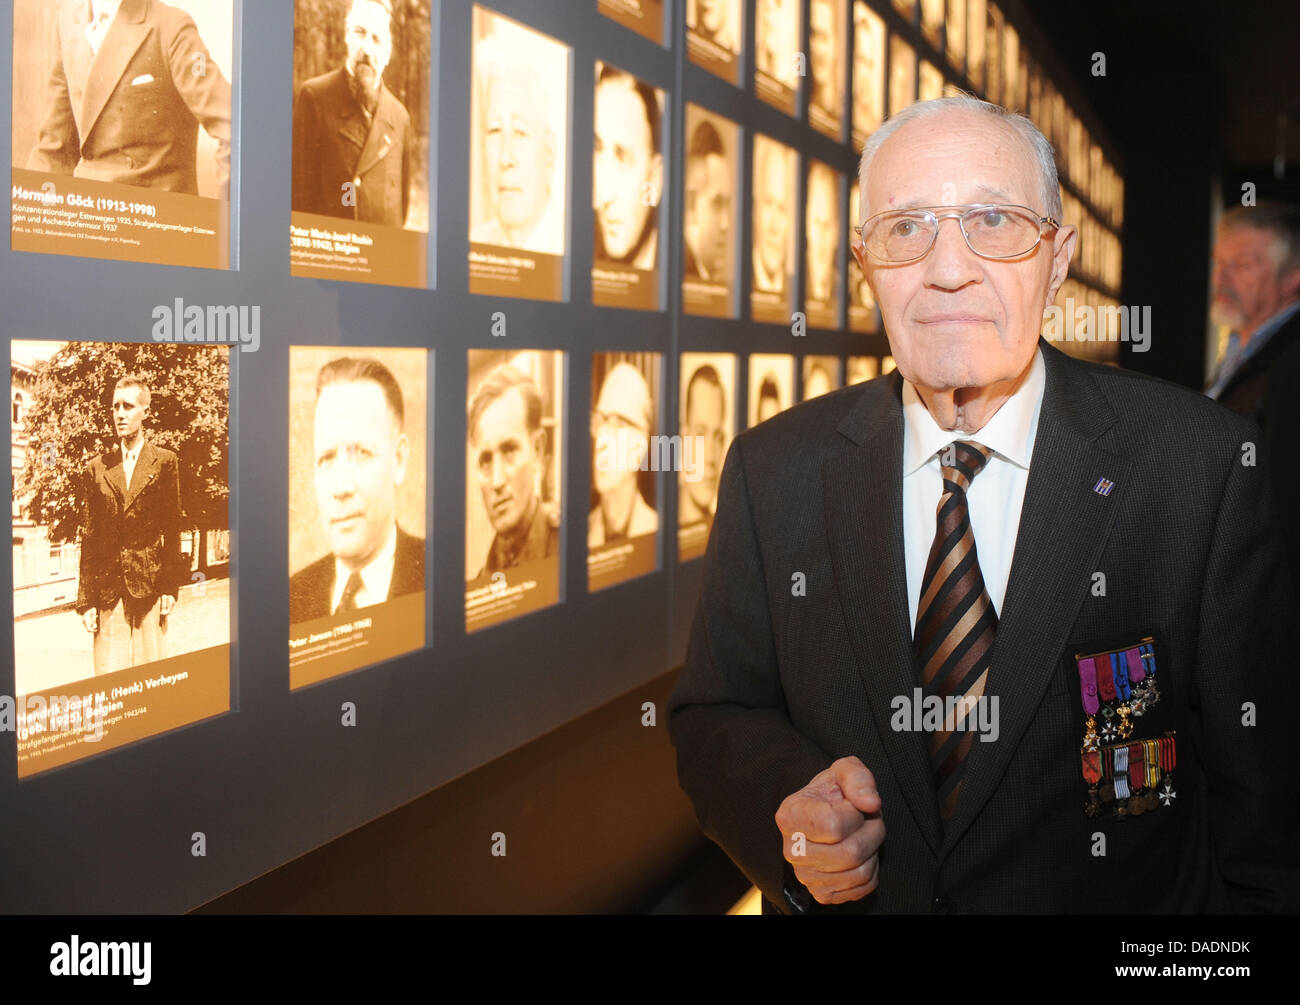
[
  {"x": 709, "y": 213},
  {"x": 519, "y": 129},
  {"x": 121, "y": 506},
  {"x": 771, "y": 386},
  {"x": 826, "y": 66},
  {"x": 513, "y": 503},
  {"x": 627, "y": 170},
  {"x": 868, "y": 72},
  {"x": 623, "y": 419},
  {"x": 357, "y": 478},
  {"x": 777, "y": 52},
  {"x": 822, "y": 226},
  {"x": 134, "y": 92},
  {"x": 774, "y": 202},
  {"x": 708, "y": 422},
  {"x": 361, "y": 111}
]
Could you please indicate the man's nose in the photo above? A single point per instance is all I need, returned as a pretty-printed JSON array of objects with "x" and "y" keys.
[
  {"x": 498, "y": 473},
  {"x": 950, "y": 263}
]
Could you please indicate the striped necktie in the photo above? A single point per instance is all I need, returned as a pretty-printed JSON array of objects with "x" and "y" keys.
[{"x": 955, "y": 620}]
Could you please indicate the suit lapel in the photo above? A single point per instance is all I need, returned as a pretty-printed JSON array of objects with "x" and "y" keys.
[
  {"x": 116, "y": 474},
  {"x": 145, "y": 469},
  {"x": 124, "y": 38},
  {"x": 862, "y": 485},
  {"x": 1064, "y": 524},
  {"x": 77, "y": 57}
]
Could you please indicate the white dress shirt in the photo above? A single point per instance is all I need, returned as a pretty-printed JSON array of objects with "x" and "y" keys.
[
  {"x": 129, "y": 459},
  {"x": 102, "y": 13},
  {"x": 376, "y": 576},
  {"x": 996, "y": 495}
]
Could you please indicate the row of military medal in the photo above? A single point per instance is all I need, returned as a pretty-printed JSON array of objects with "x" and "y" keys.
[{"x": 1132, "y": 777}]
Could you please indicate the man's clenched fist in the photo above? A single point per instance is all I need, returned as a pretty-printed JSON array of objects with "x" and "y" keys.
[{"x": 838, "y": 815}]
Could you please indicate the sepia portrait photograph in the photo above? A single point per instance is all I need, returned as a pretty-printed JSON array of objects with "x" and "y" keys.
[
  {"x": 827, "y": 65},
  {"x": 518, "y": 169},
  {"x": 127, "y": 100},
  {"x": 627, "y": 452},
  {"x": 627, "y": 190},
  {"x": 929, "y": 82},
  {"x": 775, "y": 200},
  {"x": 823, "y": 228},
  {"x": 902, "y": 75},
  {"x": 820, "y": 375},
  {"x": 955, "y": 36},
  {"x": 860, "y": 369},
  {"x": 715, "y": 30},
  {"x": 645, "y": 17},
  {"x": 771, "y": 386},
  {"x": 121, "y": 541},
  {"x": 513, "y": 503},
  {"x": 709, "y": 216},
  {"x": 360, "y": 191},
  {"x": 863, "y": 316},
  {"x": 868, "y": 72},
  {"x": 357, "y": 507},
  {"x": 779, "y": 61},
  {"x": 708, "y": 417}
]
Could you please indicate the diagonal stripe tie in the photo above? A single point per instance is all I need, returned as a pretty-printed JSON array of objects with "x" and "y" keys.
[{"x": 955, "y": 621}]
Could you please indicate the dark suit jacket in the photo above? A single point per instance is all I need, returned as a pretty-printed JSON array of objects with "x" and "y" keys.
[
  {"x": 1267, "y": 389},
  {"x": 131, "y": 113},
  {"x": 130, "y": 535},
  {"x": 777, "y": 686},
  {"x": 312, "y": 589},
  {"x": 332, "y": 145}
]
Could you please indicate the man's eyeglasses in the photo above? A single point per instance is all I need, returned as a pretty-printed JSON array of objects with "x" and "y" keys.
[{"x": 900, "y": 236}]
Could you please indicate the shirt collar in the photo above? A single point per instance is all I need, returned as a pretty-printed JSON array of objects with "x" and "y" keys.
[
  {"x": 1010, "y": 433},
  {"x": 1267, "y": 330},
  {"x": 375, "y": 574},
  {"x": 107, "y": 7}
]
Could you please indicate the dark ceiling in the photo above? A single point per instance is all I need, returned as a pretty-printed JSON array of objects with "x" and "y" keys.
[{"x": 1244, "y": 55}]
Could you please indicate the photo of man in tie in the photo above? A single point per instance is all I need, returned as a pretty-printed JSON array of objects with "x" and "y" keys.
[
  {"x": 360, "y": 453},
  {"x": 131, "y": 564},
  {"x": 1035, "y": 596},
  {"x": 128, "y": 85}
]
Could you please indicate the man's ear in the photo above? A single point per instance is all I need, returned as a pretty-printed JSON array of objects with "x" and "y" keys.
[
  {"x": 1063, "y": 245},
  {"x": 401, "y": 456}
]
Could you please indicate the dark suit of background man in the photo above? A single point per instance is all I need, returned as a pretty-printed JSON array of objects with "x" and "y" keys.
[
  {"x": 361, "y": 453},
  {"x": 131, "y": 562},
  {"x": 1257, "y": 294},
  {"x": 973, "y": 571},
  {"x": 130, "y": 83},
  {"x": 352, "y": 142}
]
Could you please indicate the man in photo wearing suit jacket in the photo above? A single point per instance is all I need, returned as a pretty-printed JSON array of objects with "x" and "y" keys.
[
  {"x": 352, "y": 144},
  {"x": 130, "y": 83},
  {"x": 131, "y": 562},
  {"x": 983, "y": 527},
  {"x": 361, "y": 453}
]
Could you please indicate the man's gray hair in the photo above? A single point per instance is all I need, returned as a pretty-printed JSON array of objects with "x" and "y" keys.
[
  {"x": 1045, "y": 157},
  {"x": 1281, "y": 220}
]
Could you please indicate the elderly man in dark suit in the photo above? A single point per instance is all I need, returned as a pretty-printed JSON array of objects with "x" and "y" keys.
[
  {"x": 965, "y": 625},
  {"x": 131, "y": 563},
  {"x": 130, "y": 83},
  {"x": 361, "y": 453},
  {"x": 352, "y": 144}
]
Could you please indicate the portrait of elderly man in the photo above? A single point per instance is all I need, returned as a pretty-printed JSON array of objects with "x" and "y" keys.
[
  {"x": 523, "y": 209},
  {"x": 621, "y": 424},
  {"x": 706, "y": 229},
  {"x": 509, "y": 451},
  {"x": 957, "y": 514},
  {"x": 826, "y": 58},
  {"x": 773, "y": 215},
  {"x": 132, "y": 567},
  {"x": 822, "y": 223},
  {"x": 123, "y": 101},
  {"x": 353, "y": 148},
  {"x": 628, "y": 170},
  {"x": 361, "y": 452}
]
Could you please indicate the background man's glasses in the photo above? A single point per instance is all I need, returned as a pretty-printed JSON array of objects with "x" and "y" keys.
[{"x": 991, "y": 231}]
